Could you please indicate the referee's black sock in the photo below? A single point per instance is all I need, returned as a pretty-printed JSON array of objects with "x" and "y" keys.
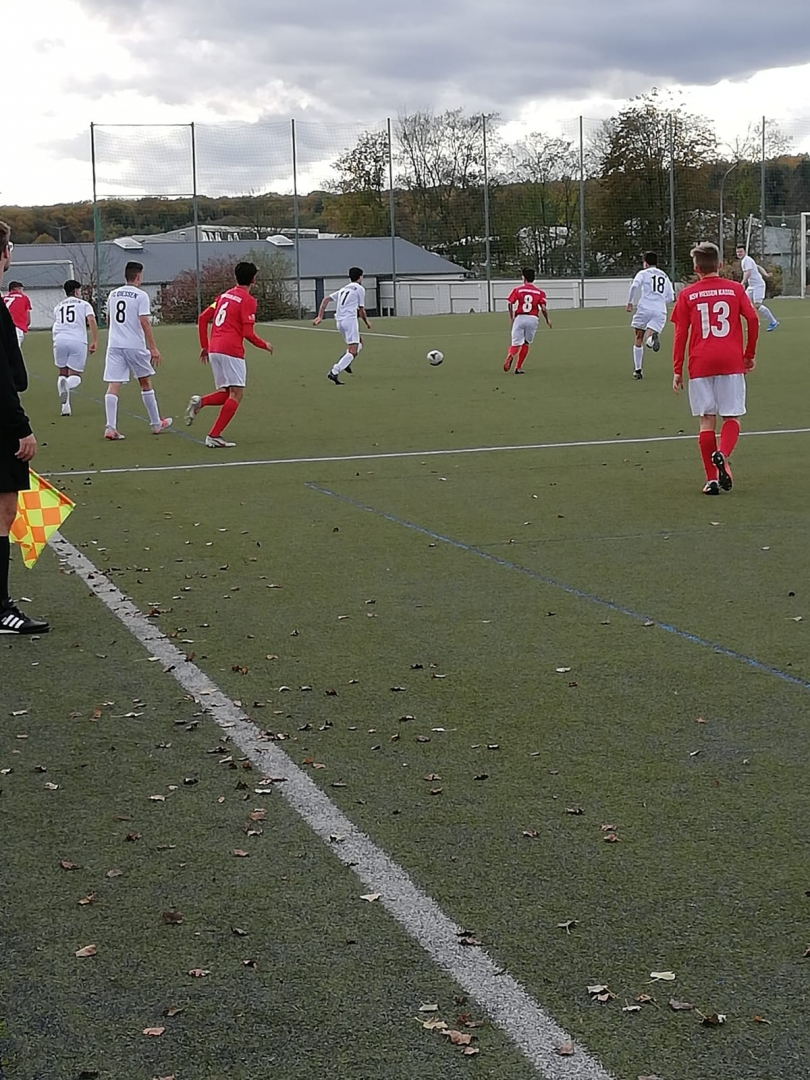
[{"x": 5, "y": 555}]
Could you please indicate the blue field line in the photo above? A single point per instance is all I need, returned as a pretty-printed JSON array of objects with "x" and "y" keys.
[{"x": 571, "y": 590}]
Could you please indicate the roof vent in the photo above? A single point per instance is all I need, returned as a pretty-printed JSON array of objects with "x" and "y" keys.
[{"x": 280, "y": 241}]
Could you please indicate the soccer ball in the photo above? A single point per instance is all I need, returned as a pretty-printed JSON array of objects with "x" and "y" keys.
[{"x": 435, "y": 357}]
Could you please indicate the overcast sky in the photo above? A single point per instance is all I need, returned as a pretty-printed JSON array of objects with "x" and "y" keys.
[{"x": 340, "y": 69}]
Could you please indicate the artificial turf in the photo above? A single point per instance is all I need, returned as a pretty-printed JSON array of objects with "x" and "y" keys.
[{"x": 708, "y": 878}]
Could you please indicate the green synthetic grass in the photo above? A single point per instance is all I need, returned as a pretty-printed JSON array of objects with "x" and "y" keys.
[{"x": 709, "y": 876}]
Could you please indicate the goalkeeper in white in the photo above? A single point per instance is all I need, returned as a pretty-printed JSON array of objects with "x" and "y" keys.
[{"x": 650, "y": 293}]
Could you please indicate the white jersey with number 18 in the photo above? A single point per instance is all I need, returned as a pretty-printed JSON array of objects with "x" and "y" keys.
[
  {"x": 125, "y": 306},
  {"x": 651, "y": 287}
]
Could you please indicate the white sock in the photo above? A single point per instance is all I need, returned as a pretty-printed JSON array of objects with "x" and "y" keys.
[
  {"x": 342, "y": 363},
  {"x": 73, "y": 381},
  {"x": 638, "y": 356},
  {"x": 150, "y": 401},
  {"x": 766, "y": 312},
  {"x": 359, "y": 347},
  {"x": 59, "y": 384},
  {"x": 111, "y": 409}
]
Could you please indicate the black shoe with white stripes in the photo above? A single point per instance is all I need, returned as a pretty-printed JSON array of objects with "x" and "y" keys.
[{"x": 13, "y": 621}]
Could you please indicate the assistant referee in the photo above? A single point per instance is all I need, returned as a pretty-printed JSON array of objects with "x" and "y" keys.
[{"x": 17, "y": 448}]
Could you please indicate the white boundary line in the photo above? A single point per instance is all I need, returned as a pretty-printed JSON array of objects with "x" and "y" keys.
[
  {"x": 507, "y": 1003},
  {"x": 409, "y": 454},
  {"x": 331, "y": 330}
]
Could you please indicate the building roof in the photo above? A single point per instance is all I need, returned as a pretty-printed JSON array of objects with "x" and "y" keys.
[{"x": 163, "y": 260}]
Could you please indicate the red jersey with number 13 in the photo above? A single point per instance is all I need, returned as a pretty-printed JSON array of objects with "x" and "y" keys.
[
  {"x": 233, "y": 315},
  {"x": 528, "y": 299},
  {"x": 708, "y": 314}
]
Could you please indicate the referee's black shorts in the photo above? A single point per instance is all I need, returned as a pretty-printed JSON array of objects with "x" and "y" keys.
[{"x": 14, "y": 475}]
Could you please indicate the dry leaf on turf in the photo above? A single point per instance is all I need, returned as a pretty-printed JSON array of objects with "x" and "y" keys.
[
  {"x": 567, "y": 925},
  {"x": 680, "y": 1006},
  {"x": 173, "y": 1010},
  {"x": 597, "y": 988},
  {"x": 760, "y": 1020},
  {"x": 458, "y": 1038},
  {"x": 114, "y": 873},
  {"x": 531, "y": 833},
  {"x": 155, "y": 1032},
  {"x": 241, "y": 854},
  {"x": 198, "y": 973},
  {"x": 645, "y": 999},
  {"x": 433, "y": 1024},
  {"x": 663, "y": 976},
  {"x": 69, "y": 865},
  {"x": 85, "y": 900},
  {"x": 88, "y": 950},
  {"x": 714, "y": 1020},
  {"x": 565, "y": 1049},
  {"x": 428, "y": 1008},
  {"x": 371, "y": 897},
  {"x": 469, "y": 1051},
  {"x": 172, "y": 918},
  {"x": 631, "y": 1008}
]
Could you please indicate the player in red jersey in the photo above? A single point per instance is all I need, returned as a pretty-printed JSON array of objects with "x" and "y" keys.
[
  {"x": 234, "y": 316},
  {"x": 19, "y": 307},
  {"x": 525, "y": 304},
  {"x": 708, "y": 315}
]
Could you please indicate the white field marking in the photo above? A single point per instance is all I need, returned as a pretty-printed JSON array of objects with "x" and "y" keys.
[
  {"x": 508, "y": 1004},
  {"x": 331, "y": 330},
  {"x": 408, "y": 454}
]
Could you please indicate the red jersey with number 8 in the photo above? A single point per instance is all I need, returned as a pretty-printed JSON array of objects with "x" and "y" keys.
[
  {"x": 708, "y": 315},
  {"x": 527, "y": 299},
  {"x": 233, "y": 316}
]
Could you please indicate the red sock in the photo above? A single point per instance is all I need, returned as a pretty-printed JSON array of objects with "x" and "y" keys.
[
  {"x": 729, "y": 433},
  {"x": 219, "y": 397},
  {"x": 707, "y": 441},
  {"x": 522, "y": 354},
  {"x": 226, "y": 414}
]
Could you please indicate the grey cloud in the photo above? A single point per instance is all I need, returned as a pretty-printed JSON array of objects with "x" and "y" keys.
[{"x": 487, "y": 53}]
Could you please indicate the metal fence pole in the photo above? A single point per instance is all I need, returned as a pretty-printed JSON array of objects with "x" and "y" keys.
[
  {"x": 762, "y": 196},
  {"x": 195, "y": 215},
  {"x": 297, "y": 216},
  {"x": 96, "y": 228},
  {"x": 672, "y": 196},
  {"x": 581, "y": 212},
  {"x": 393, "y": 218},
  {"x": 487, "y": 230}
]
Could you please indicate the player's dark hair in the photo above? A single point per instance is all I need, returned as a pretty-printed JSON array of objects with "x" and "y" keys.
[
  {"x": 245, "y": 273},
  {"x": 131, "y": 271},
  {"x": 71, "y": 286},
  {"x": 5, "y": 234},
  {"x": 706, "y": 257},
  {"x": 528, "y": 273},
  {"x": 15, "y": 285},
  {"x": 651, "y": 258},
  {"x": 355, "y": 273}
]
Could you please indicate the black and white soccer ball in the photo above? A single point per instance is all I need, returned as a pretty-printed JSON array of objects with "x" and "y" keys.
[{"x": 435, "y": 357}]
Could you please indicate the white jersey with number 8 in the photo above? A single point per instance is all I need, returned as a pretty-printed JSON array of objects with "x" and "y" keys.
[{"x": 125, "y": 306}]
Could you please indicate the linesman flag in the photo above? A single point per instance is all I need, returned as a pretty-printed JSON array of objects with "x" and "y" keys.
[{"x": 40, "y": 512}]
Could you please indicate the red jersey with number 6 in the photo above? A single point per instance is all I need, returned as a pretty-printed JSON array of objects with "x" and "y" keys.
[
  {"x": 708, "y": 315},
  {"x": 527, "y": 299},
  {"x": 233, "y": 315}
]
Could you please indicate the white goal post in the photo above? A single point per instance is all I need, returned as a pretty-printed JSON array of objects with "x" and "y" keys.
[{"x": 804, "y": 218}]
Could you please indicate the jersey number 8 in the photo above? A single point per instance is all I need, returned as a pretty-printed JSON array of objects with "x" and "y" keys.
[{"x": 121, "y": 311}]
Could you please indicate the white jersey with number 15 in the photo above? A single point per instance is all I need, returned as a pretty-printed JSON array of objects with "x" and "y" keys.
[{"x": 125, "y": 305}]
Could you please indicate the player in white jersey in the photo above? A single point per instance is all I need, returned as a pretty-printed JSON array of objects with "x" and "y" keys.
[
  {"x": 650, "y": 293},
  {"x": 71, "y": 318},
  {"x": 131, "y": 350},
  {"x": 753, "y": 281},
  {"x": 350, "y": 301}
]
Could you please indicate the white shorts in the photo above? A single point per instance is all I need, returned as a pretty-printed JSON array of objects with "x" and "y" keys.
[
  {"x": 20, "y": 336},
  {"x": 122, "y": 363},
  {"x": 649, "y": 318},
  {"x": 719, "y": 395},
  {"x": 350, "y": 328},
  {"x": 524, "y": 328},
  {"x": 70, "y": 354},
  {"x": 756, "y": 293},
  {"x": 227, "y": 370}
]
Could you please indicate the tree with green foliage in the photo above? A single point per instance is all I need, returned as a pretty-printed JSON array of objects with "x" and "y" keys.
[{"x": 177, "y": 301}]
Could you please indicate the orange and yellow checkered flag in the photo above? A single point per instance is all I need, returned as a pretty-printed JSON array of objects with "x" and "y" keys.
[{"x": 40, "y": 512}]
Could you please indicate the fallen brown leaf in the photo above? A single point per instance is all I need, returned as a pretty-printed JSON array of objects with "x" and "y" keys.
[
  {"x": 173, "y": 1010},
  {"x": 371, "y": 897},
  {"x": 241, "y": 854},
  {"x": 172, "y": 918},
  {"x": 565, "y": 1049},
  {"x": 85, "y": 900},
  {"x": 469, "y": 1051},
  {"x": 760, "y": 1020},
  {"x": 114, "y": 873},
  {"x": 69, "y": 865},
  {"x": 88, "y": 950},
  {"x": 458, "y": 1038},
  {"x": 198, "y": 973},
  {"x": 680, "y": 1006},
  {"x": 714, "y": 1020},
  {"x": 154, "y": 1032}
]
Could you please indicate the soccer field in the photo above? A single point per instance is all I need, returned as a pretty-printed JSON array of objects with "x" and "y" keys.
[{"x": 511, "y": 677}]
